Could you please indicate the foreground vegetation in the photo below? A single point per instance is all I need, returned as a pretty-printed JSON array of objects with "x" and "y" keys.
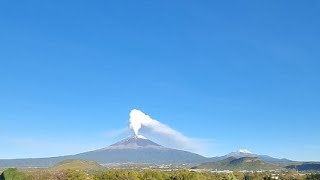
[{"x": 14, "y": 174}]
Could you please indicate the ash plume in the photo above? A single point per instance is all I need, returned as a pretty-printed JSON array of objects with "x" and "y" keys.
[{"x": 174, "y": 138}]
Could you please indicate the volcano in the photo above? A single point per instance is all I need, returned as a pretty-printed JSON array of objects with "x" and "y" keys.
[
  {"x": 138, "y": 149},
  {"x": 133, "y": 149}
]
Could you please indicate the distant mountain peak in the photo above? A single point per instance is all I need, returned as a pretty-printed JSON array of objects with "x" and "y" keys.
[
  {"x": 243, "y": 163},
  {"x": 241, "y": 153},
  {"x": 245, "y": 153},
  {"x": 135, "y": 142}
]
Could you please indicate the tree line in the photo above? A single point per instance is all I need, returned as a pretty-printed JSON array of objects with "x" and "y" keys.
[{"x": 14, "y": 174}]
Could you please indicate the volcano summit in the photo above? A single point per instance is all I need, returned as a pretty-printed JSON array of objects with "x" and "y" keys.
[{"x": 135, "y": 142}]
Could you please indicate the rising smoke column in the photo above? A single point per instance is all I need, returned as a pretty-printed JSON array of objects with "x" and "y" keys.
[{"x": 139, "y": 119}]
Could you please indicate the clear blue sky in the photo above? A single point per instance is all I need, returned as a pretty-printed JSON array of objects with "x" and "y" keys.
[{"x": 238, "y": 74}]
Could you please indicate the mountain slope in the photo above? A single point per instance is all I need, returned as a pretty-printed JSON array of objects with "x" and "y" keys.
[
  {"x": 75, "y": 164},
  {"x": 32, "y": 162},
  {"x": 306, "y": 166},
  {"x": 243, "y": 163}
]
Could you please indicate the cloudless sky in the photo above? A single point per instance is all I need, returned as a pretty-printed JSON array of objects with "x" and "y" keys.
[{"x": 238, "y": 74}]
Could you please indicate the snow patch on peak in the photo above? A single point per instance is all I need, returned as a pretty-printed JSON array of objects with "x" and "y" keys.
[
  {"x": 244, "y": 151},
  {"x": 136, "y": 136},
  {"x": 142, "y": 137}
]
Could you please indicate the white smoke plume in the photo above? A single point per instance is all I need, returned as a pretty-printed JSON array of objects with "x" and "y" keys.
[{"x": 138, "y": 119}]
